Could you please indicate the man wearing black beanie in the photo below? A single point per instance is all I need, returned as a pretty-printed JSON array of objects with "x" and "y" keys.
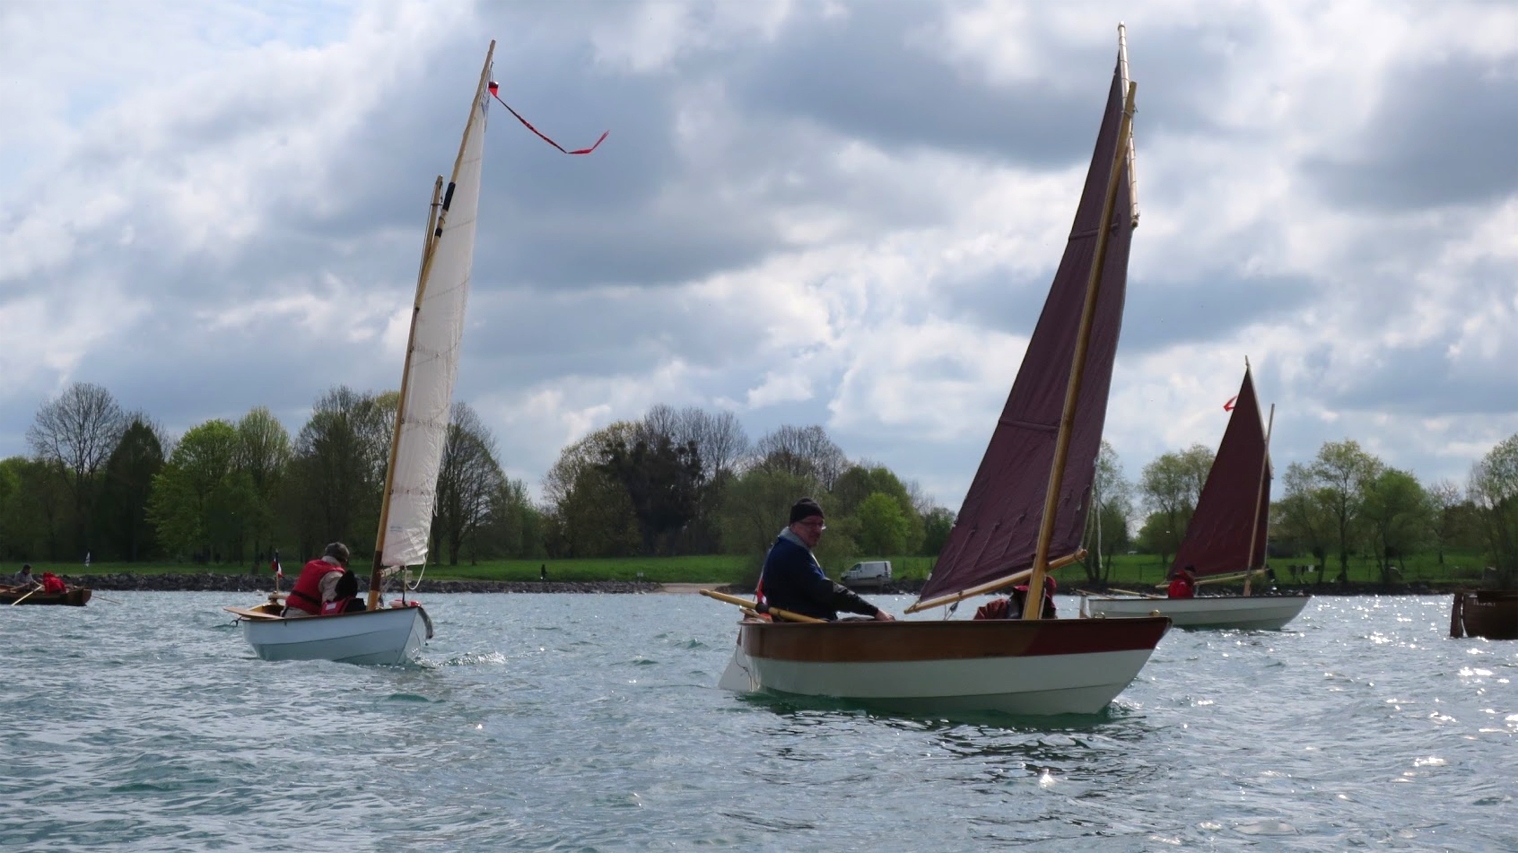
[{"x": 793, "y": 580}]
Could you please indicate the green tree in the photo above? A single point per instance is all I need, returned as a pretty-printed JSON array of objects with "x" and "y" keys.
[
  {"x": 1494, "y": 489},
  {"x": 1171, "y": 486},
  {"x": 1340, "y": 473},
  {"x": 883, "y": 527},
  {"x": 663, "y": 483},
  {"x": 1397, "y": 515},
  {"x": 200, "y": 498},
  {"x": 126, "y": 488},
  {"x": 589, "y": 513},
  {"x": 337, "y": 471},
  {"x": 263, "y": 454},
  {"x": 936, "y": 525},
  {"x": 1112, "y": 511},
  {"x": 1303, "y": 518}
]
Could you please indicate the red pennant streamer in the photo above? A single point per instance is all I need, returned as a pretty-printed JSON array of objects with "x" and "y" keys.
[
  {"x": 495, "y": 92},
  {"x": 1228, "y": 406}
]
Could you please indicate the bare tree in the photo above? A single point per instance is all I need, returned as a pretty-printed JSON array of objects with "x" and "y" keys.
[
  {"x": 803, "y": 452},
  {"x": 468, "y": 480},
  {"x": 77, "y": 432}
]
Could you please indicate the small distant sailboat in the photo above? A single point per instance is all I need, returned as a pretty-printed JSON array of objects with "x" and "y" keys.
[
  {"x": 1225, "y": 539},
  {"x": 1028, "y": 500},
  {"x": 395, "y": 634}
]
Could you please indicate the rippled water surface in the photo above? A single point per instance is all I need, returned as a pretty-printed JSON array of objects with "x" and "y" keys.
[{"x": 592, "y": 722}]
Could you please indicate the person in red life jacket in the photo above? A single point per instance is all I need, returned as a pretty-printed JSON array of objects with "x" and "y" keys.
[
  {"x": 792, "y": 579},
  {"x": 345, "y": 596},
  {"x": 1012, "y": 606},
  {"x": 52, "y": 584},
  {"x": 317, "y": 583},
  {"x": 1183, "y": 584}
]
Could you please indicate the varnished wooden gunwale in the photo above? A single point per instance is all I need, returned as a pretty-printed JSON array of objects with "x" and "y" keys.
[{"x": 961, "y": 639}]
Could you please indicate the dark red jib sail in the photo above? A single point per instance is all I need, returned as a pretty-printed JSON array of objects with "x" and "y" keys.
[
  {"x": 996, "y": 531},
  {"x": 1235, "y": 502}
]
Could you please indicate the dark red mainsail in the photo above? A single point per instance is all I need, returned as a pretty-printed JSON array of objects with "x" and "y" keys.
[
  {"x": 1234, "y": 506},
  {"x": 996, "y": 531}
]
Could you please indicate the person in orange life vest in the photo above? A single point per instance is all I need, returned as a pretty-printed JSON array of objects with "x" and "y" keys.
[
  {"x": 792, "y": 579},
  {"x": 345, "y": 596},
  {"x": 1183, "y": 584},
  {"x": 317, "y": 583}
]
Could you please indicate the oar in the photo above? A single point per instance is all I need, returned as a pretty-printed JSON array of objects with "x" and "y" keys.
[
  {"x": 25, "y": 597},
  {"x": 1131, "y": 592},
  {"x": 752, "y": 605}
]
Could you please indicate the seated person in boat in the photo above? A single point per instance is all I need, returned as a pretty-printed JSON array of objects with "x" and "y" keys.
[
  {"x": 317, "y": 583},
  {"x": 1183, "y": 583},
  {"x": 793, "y": 580},
  {"x": 52, "y": 584},
  {"x": 345, "y": 596},
  {"x": 24, "y": 579},
  {"x": 1012, "y": 606}
]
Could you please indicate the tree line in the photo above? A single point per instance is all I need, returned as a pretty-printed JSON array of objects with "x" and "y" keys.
[{"x": 112, "y": 484}]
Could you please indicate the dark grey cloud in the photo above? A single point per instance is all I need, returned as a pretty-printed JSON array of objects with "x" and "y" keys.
[{"x": 1441, "y": 134}]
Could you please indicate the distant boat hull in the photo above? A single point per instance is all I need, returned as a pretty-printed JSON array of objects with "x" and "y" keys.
[
  {"x": 1037, "y": 667},
  {"x": 1489, "y": 613},
  {"x": 1245, "y": 613},
  {"x": 72, "y": 597},
  {"x": 390, "y": 636}
]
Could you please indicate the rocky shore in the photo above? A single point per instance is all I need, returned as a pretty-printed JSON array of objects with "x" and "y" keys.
[{"x": 209, "y": 582}]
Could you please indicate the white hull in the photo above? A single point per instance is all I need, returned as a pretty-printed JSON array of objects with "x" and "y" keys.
[
  {"x": 1007, "y": 666},
  {"x": 1248, "y": 613},
  {"x": 389, "y": 636},
  {"x": 1055, "y": 684}
]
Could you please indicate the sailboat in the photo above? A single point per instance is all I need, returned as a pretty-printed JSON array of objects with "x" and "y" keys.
[
  {"x": 1225, "y": 539},
  {"x": 391, "y": 635},
  {"x": 1028, "y": 500}
]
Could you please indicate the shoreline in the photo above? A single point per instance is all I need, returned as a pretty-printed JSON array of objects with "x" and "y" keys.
[{"x": 210, "y": 582}]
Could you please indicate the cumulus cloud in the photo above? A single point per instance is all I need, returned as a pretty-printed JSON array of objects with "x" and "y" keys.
[{"x": 840, "y": 213}]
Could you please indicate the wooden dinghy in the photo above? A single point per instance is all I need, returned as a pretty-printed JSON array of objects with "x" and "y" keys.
[
  {"x": 1489, "y": 613},
  {"x": 75, "y": 596}
]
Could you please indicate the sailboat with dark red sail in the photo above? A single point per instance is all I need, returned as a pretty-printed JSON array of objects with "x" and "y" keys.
[
  {"x": 1022, "y": 516},
  {"x": 1225, "y": 539}
]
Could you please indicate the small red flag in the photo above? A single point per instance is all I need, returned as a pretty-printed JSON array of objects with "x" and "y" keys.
[
  {"x": 1228, "y": 406},
  {"x": 279, "y": 570}
]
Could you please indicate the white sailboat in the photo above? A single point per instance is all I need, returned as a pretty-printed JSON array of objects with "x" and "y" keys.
[
  {"x": 1225, "y": 537},
  {"x": 1028, "y": 500},
  {"x": 391, "y": 635}
]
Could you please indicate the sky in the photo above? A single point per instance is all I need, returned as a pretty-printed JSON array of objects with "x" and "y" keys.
[{"x": 835, "y": 213}]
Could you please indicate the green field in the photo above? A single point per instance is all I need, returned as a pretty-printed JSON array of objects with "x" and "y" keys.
[{"x": 1129, "y": 570}]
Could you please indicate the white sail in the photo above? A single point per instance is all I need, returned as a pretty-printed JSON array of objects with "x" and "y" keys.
[{"x": 433, "y": 353}]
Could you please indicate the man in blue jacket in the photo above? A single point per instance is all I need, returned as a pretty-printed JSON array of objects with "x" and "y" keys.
[{"x": 792, "y": 578}]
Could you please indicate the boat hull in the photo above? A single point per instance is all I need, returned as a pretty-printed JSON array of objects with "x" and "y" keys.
[
  {"x": 1245, "y": 613},
  {"x": 389, "y": 636},
  {"x": 73, "y": 597},
  {"x": 1489, "y": 613},
  {"x": 1035, "y": 667}
]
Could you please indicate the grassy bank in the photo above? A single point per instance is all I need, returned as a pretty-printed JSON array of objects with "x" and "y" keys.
[{"x": 1128, "y": 570}]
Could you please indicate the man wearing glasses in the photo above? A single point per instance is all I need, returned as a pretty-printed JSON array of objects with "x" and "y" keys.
[{"x": 792, "y": 578}]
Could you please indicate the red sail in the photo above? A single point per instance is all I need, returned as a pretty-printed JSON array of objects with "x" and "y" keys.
[
  {"x": 1235, "y": 502},
  {"x": 996, "y": 531}
]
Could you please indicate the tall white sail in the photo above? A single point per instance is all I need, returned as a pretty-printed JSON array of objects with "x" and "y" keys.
[{"x": 433, "y": 353}]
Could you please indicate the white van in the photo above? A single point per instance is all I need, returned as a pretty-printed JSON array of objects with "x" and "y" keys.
[{"x": 875, "y": 573}]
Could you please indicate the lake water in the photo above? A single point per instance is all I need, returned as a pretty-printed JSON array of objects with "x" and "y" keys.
[{"x": 592, "y": 722}]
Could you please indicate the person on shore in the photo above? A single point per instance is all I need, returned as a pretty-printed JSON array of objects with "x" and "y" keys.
[
  {"x": 24, "y": 579},
  {"x": 317, "y": 583},
  {"x": 344, "y": 596},
  {"x": 1183, "y": 583},
  {"x": 793, "y": 580}
]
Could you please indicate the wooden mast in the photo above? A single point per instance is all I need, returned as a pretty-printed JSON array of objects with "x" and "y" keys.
[
  {"x": 1034, "y": 604},
  {"x": 436, "y": 220},
  {"x": 1259, "y": 494}
]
